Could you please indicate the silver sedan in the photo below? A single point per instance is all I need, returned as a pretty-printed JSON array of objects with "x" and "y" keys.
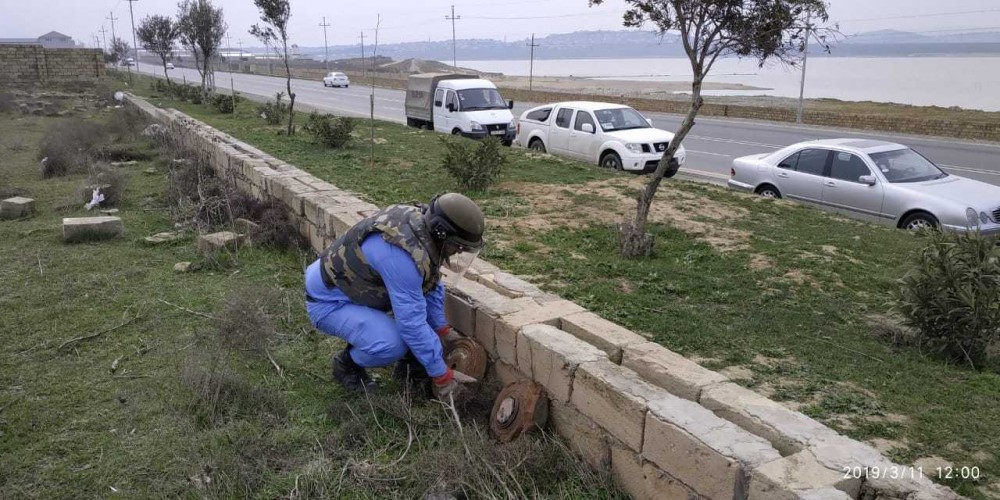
[{"x": 871, "y": 180}]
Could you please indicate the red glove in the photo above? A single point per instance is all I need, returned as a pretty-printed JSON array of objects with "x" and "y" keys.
[
  {"x": 444, "y": 331},
  {"x": 449, "y": 384}
]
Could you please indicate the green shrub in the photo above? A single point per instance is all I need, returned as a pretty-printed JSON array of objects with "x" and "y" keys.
[
  {"x": 476, "y": 166},
  {"x": 951, "y": 298},
  {"x": 225, "y": 104},
  {"x": 328, "y": 130},
  {"x": 274, "y": 112}
]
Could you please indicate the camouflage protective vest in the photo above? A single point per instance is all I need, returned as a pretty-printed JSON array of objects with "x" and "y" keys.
[{"x": 345, "y": 266}]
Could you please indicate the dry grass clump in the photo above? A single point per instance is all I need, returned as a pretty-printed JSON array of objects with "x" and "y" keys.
[
  {"x": 111, "y": 181},
  {"x": 67, "y": 145},
  {"x": 245, "y": 320}
]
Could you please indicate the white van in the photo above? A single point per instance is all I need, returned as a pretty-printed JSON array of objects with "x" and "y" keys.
[{"x": 459, "y": 105}]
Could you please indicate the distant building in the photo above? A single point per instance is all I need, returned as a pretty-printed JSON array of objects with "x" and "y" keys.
[{"x": 50, "y": 40}]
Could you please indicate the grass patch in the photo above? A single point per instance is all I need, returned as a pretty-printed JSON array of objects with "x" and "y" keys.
[
  {"x": 120, "y": 376},
  {"x": 736, "y": 281}
]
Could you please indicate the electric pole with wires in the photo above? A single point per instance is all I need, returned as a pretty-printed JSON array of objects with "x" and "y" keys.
[
  {"x": 531, "y": 67},
  {"x": 363, "y": 66},
  {"x": 113, "y": 19},
  {"x": 454, "y": 49},
  {"x": 102, "y": 31},
  {"x": 326, "y": 47},
  {"x": 135, "y": 44},
  {"x": 805, "y": 58}
]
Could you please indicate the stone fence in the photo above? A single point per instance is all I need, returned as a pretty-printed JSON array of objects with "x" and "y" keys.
[
  {"x": 660, "y": 424},
  {"x": 33, "y": 64}
]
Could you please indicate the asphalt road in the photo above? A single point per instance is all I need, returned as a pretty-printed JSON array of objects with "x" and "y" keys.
[{"x": 712, "y": 144}]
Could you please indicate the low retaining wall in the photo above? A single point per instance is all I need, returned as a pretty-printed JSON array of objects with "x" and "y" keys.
[
  {"x": 31, "y": 64},
  {"x": 660, "y": 424}
]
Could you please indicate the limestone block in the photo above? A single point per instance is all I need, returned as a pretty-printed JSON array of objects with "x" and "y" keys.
[
  {"x": 643, "y": 480},
  {"x": 460, "y": 314},
  {"x": 709, "y": 454},
  {"x": 219, "y": 241},
  {"x": 607, "y": 336},
  {"x": 551, "y": 356},
  {"x": 669, "y": 370},
  {"x": 507, "y": 328},
  {"x": 16, "y": 207},
  {"x": 83, "y": 228},
  {"x": 789, "y": 477},
  {"x": 337, "y": 223},
  {"x": 789, "y": 431},
  {"x": 504, "y": 374},
  {"x": 824, "y": 494},
  {"x": 582, "y": 434},
  {"x": 615, "y": 398}
]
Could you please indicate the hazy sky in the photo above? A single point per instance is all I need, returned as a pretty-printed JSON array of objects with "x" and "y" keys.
[{"x": 416, "y": 20}]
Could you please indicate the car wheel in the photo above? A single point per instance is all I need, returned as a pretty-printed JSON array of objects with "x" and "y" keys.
[
  {"x": 612, "y": 161},
  {"x": 537, "y": 145},
  {"x": 769, "y": 191},
  {"x": 456, "y": 132},
  {"x": 918, "y": 221}
]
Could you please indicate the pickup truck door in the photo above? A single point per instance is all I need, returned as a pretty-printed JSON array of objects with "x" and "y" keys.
[
  {"x": 583, "y": 145},
  {"x": 559, "y": 133}
]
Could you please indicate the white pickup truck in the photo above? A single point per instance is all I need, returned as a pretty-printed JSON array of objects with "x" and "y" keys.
[{"x": 610, "y": 135}]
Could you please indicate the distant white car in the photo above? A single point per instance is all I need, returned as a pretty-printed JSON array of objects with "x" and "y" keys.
[
  {"x": 336, "y": 80},
  {"x": 871, "y": 180},
  {"x": 170, "y": 65},
  {"x": 611, "y": 135}
]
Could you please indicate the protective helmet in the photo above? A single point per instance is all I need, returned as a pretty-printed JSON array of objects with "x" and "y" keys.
[{"x": 453, "y": 218}]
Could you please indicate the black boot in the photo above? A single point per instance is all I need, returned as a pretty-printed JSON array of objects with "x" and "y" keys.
[
  {"x": 353, "y": 377},
  {"x": 409, "y": 372}
]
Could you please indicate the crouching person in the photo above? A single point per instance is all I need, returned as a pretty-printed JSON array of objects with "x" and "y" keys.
[{"x": 390, "y": 263}]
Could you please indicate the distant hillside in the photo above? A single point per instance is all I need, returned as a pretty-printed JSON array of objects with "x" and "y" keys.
[{"x": 646, "y": 44}]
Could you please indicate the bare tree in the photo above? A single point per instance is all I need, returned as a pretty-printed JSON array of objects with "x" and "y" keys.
[
  {"x": 157, "y": 34},
  {"x": 275, "y": 15},
  {"x": 710, "y": 29},
  {"x": 201, "y": 27},
  {"x": 118, "y": 50}
]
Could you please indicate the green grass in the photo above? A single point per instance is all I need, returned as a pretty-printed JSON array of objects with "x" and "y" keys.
[
  {"x": 800, "y": 323},
  {"x": 106, "y": 350}
]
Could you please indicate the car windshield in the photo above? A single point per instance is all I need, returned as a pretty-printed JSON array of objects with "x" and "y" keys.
[
  {"x": 620, "y": 119},
  {"x": 906, "y": 165},
  {"x": 479, "y": 99}
]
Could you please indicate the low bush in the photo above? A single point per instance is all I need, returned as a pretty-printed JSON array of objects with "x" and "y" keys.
[
  {"x": 223, "y": 103},
  {"x": 476, "y": 166},
  {"x": 7, "y": 104},
  {"x": 274, "y": 112},
  {"x": 110, "y": 180},
  {"x": 221, "y": 394},
  {"x": 951, "y": 298},
  {"x": 328, "y": 130},
  {"x": 67, "y": 146},
  {"x": 244, "y": 321}
]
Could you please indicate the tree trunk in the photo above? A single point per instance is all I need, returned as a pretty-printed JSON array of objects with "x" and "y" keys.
[
  {"x": 291, "y": 96},
  {"x": 633, "y": 239},
  {"x": 165, "y": 75}
]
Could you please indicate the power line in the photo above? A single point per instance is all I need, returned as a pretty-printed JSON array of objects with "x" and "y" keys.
[
  {"x": 113, "y": 19},
  {"x": 531, "y": 67},
  {"x": 102, "y": 31},
  {"x": 916, "y": 16},
  {"x": 134, "y": 42},
  {"x": 521, "y": 18}
]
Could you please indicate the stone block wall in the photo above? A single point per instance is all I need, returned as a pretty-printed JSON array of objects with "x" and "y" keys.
[
  {"x": 33, "y": 64},
  {"x": 661, "y": 425}
]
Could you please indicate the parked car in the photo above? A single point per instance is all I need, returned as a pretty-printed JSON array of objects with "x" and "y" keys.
[
  {"x": 336, "y": 79},
  {"x": 871, "y": 180},
  {"x": 170, "y": 65},
  {"x": 610, "y": 135},
  {"x": 459, "y": 105}
]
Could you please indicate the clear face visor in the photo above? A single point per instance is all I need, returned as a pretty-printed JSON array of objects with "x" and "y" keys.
[{"x": 458, "y": 262}]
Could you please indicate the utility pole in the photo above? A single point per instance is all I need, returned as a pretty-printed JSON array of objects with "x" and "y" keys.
[
  {"x": 135, "y": 45},
  {"x": 103, "y": 30},
  {"x": 363, "y": 71},
  {"x": 531, "y": 68},
  {"x": 805, "y": 58},
  {"x": 454, "y": 50},
  {"x": 326, "y": 49},
  {"x": 113, "y": 19}
]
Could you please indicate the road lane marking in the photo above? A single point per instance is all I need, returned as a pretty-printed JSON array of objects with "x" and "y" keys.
[
  {"x": 972, "y": 170},
  {"x": 707, "y": 153},
  {"x": 734, "y": 141}
]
